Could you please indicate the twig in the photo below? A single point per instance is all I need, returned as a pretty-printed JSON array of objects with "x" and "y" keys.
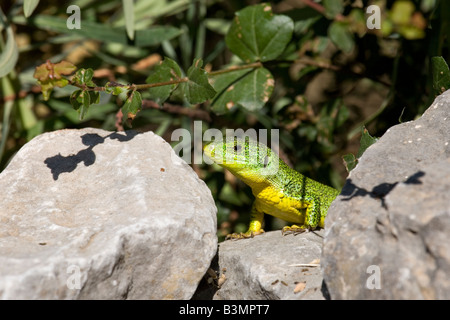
[
  {"x": 329, "y": 66},
  {"x": 177, "y": 109},
  {"x": 236, "y": 68}
]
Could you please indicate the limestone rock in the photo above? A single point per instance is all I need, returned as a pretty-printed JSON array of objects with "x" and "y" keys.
[
  {"x": 387, "y": 233},
  {"x": 91, "y": 214},
  {"x": 271, "y": 266}
]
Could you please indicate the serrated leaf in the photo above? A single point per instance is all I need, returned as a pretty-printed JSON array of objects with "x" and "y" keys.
[
  {"x": 29, "y": 6},
  {"x": 441, "y": 75},
  {"x": 249, "y": 89},
  {"x": 341, "y": 36},
  {"x": 167, "y": 70},
  {"x": 132, "y": 105},
  {"x": 256, "y": 34},
  {"x": 366, "y": 141},
  {"x": 197, "y": 89}
]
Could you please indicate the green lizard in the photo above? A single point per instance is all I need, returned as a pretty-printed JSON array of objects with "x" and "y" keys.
[{"x": 279, "y": 190}]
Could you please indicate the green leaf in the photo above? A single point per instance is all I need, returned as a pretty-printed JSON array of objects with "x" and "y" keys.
[
  {"x": 132, "y": 105},
  {"x": 10, "y": 52},
  {"x": 128, "y": 11},
  {"x": 167, "y": 70},
  {"x": 46, "y": 88},
  {"x": 64, "y": 68},
  {"x": 256, "y": 34},
  {"x": 197, "y": 89},
  {"x": 94, "y": 97},
  {"x": 441, "y": 75},
  {"x": 81, "y": 100},
  {"x": 248, "y": 89},
  {"x": 29, "y": 6},
  {"x": 333, "y": 8},
  {"x": 402, "y": 11},
  {"x": 114, "y": 88},
  {"x": 151, "y": 36},
  {"x": 350, "y": 161},
  {"x": 84, "y": 76},
  {"x": 341, "y": 36},
  {"x": 366, "y": 141}
]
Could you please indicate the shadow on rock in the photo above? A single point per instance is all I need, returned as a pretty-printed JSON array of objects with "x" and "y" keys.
[
  {"x": 350, "y": 190},
  {"x": 59, "y": 164}
]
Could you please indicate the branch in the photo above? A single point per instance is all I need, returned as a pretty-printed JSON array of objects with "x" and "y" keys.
[{"x": 177, "y": 109}]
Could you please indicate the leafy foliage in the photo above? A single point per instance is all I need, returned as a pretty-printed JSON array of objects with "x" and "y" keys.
[
  {"x": 441, "y": 75},
  {"x": 256, "y": 34},
  {"x": 366, "y": 141}
]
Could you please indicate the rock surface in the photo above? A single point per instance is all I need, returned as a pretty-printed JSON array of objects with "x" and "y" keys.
[
  {"x": 90, "y": 214},
  {"x": 270, "y": 266},
  {"x": 387, "y": 234}
]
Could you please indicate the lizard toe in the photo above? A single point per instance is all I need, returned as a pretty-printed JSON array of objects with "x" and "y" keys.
[
  {"x": 242, "y": 235},
  {"x": 294, "y": 229}
]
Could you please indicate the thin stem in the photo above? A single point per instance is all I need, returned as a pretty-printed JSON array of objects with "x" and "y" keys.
[
  {"x": 236, "y": 68},
  {"x": 158, "y": 84},
  {"x": 166, "y": 83},
  {"x": 85, "y": 87}
]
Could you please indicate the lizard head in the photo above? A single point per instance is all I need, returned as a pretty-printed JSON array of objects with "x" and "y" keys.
[{"x": 251, "y": 161}]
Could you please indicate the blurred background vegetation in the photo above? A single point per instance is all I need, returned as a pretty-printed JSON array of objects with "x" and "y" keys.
[{"x": 334, "y": 77}]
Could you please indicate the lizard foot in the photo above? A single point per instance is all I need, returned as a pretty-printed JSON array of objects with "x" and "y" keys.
[
  {"x": 294, "y": 229},
  {"x": 242, "y": 235}
]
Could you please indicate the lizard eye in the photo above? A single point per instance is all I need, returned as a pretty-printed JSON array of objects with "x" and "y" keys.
[{"x": 237, "y": 148}]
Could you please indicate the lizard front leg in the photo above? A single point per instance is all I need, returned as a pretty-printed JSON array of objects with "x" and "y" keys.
[
  {"x": 255, "y": 227},
  {"x": 312, "y": 220}
]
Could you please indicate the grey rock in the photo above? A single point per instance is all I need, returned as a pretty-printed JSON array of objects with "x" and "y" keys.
[
  {"x": 91, "y": 214},
  {"x": 391, "y": 223},
  {"x": 271, "y": 266}
]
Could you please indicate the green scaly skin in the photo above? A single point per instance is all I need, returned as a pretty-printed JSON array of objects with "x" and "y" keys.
[{"x": 279, "y": 190}]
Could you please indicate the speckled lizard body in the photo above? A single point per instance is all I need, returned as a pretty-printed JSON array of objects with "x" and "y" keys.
[{"x": 279, "y": 190}]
